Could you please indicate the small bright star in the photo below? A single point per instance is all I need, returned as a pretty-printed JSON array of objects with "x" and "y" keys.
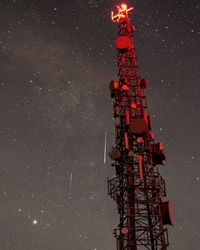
[{"x": 35, "y": 222}]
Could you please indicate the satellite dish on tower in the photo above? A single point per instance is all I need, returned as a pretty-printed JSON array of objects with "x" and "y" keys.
[
  {"x": 166, "y": 210},
  {"x": 123, "y": 43}
]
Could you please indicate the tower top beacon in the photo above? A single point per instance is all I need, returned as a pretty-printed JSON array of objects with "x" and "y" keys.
[{"x": 122, "y": 13}]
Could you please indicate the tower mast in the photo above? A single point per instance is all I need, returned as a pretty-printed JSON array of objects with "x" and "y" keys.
[{"x": 137, "y": 188}]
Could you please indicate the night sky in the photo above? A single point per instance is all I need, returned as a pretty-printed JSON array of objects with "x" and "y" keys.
[{"x": 56, "y": 61}]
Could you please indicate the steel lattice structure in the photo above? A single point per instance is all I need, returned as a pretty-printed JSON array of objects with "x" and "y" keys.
[{"x": 137, "y": 188}]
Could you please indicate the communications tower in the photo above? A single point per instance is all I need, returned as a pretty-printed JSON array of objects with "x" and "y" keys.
[{"x": 137, "y": 188}]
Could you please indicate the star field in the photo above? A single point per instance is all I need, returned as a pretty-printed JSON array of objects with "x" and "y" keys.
[{"x": 56, "y": 61}]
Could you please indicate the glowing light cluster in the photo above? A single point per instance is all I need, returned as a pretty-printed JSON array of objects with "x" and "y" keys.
[{"x": 122, "y": 12}]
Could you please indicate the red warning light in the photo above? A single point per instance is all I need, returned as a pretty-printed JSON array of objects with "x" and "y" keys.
[
  {"x": 116, "y": 85},
  {"x": 125, "y": 87},
  {"x": 133, "y": 105},
  {"x": 123, "y": 11}
]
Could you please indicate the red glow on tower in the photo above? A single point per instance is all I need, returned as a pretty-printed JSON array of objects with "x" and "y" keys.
[{"x": 137, "y": 188}]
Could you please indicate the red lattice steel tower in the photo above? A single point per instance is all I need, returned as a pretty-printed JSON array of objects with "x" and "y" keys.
[{"x": 137, "y": 188}]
